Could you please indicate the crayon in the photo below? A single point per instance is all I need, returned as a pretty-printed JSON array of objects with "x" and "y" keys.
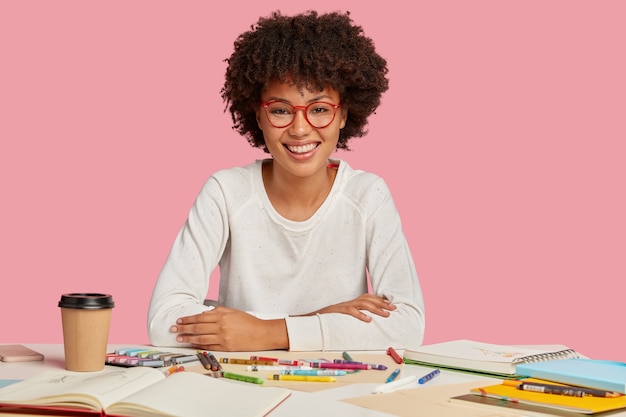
[
  {"x": 279, "y": 377},
  {"x": 244, "y": 378},
  {"x": 394, "y": 355},
  {"x": 238, "y": 361}
]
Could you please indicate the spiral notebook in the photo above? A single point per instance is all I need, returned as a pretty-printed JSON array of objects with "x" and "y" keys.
[{"x": 487, "y": 358}]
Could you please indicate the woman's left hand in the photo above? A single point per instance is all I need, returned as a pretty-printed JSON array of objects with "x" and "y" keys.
[{"x": 365, "y": 302}]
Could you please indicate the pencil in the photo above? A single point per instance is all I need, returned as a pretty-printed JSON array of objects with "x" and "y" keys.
[
  {"x": 215, "y": 365},
  {"x": 204, "y": 360},
  {"x": 562, "y": 389}
]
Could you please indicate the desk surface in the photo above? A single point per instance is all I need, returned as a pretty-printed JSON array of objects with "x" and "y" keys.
[{"x": 303, "y": 404}]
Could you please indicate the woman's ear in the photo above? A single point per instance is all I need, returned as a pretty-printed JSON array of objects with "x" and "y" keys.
[
  {"x": 344, "y": 117},
  {"x": 258, "y": 118}
]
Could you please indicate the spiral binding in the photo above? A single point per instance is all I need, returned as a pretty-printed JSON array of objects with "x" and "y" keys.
[{"x": 541, "y": 357}]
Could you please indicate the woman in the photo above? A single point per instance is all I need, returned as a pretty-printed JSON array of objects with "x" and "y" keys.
[{"x": 297, "y": 235}]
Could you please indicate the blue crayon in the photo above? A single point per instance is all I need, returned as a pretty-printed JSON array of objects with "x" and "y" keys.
[
  {"x": 314, "y": 372},
  {"x": 429, "y": 376},
  {"x": 393, "y": 375}
]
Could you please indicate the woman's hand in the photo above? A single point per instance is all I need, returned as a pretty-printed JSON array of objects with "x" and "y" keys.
[
  {"x": 226, "y": 329},
  {"x": 368, "y": 302}
]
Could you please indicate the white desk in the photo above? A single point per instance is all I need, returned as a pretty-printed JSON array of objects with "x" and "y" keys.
[{"x": 302, "y": 404}]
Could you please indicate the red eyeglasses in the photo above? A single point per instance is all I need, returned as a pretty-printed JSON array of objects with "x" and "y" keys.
[{"x": 319, "y": 114}]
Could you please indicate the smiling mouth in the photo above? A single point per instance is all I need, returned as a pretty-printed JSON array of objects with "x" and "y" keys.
[{"x": 302, "y": 148}]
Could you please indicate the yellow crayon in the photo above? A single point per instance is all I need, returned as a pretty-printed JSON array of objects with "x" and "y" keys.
[{"x": 309, "y": 378}]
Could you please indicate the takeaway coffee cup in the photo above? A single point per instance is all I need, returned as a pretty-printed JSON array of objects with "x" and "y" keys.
[{"x": 86, "y": 319}]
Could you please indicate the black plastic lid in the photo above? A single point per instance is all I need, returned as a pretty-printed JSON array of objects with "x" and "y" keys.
[{"x": 86, "y": 301}]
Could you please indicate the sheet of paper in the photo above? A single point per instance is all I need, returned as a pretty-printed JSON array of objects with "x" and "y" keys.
[
  {"x": 365, "y": 376},
  {"x": 426, "y": 402}
]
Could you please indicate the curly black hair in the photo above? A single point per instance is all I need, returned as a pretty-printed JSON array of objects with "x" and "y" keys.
[{"x": 314, "y": 51}]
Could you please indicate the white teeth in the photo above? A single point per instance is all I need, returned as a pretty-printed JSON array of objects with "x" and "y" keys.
[{"x": 302, "y": 148}]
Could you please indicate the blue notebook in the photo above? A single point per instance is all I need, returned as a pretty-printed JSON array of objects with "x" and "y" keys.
[{"x": 599, "y": 374}]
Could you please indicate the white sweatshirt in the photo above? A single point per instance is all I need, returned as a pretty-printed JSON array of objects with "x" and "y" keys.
[{"x": 273, "y": 267}]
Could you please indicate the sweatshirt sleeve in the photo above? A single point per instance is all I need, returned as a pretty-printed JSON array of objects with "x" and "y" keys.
[
  {"x": 183, "y": 283},
  {"x": 392, "y": 274}
]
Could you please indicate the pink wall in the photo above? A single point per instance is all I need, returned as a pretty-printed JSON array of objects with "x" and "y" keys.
[{"x": 502, "y": 138}]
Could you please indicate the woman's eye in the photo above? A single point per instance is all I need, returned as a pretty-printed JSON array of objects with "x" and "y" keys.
[{"x": 279, "y": 111}]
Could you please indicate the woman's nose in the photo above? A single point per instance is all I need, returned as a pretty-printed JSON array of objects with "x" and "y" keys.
[{"x": 300, "y": 125}]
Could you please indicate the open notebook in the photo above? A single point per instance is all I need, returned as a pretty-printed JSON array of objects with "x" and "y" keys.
[
  {"x": 480, "y": 357},
  {"x": 138, "y": 392}
]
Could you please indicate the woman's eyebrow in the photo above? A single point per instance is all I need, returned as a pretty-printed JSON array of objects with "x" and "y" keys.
[{"x": 311, "y": 100}]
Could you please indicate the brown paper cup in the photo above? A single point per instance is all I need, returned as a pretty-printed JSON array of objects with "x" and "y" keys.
[{"x": 86, "y": 319}]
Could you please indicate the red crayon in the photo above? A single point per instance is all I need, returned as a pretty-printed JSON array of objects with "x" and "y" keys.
[{"x": 391, "y": 352}]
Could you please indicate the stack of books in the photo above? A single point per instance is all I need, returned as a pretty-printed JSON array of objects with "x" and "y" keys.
[{"x": 565, "y": 387}]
